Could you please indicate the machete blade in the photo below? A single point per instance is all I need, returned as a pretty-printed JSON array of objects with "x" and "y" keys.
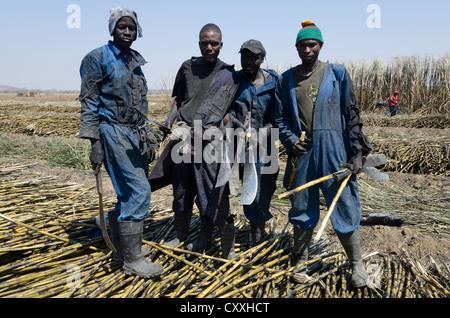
[
  {"x": 375, "y": 174},
  {"x": 249, "y": 184},
  {"x": 225, "y": 169},
  {"x": 103, "y": 229},
  {"x": 375, "y": 160}
]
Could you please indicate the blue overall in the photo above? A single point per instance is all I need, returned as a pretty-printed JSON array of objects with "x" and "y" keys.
[
  {"x": 261, "y": 105},
  {"x": 109, "y": 93},
  {"x": 330, "y": 145}
]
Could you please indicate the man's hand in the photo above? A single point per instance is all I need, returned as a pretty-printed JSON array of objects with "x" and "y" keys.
[
  {"x": 298, "y": 149},
  {"x": 97, "y": 155},
  {"x": 356, "y": 163}
]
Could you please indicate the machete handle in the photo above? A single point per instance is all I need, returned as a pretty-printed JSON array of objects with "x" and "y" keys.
[{"x": 297, "y": 159}]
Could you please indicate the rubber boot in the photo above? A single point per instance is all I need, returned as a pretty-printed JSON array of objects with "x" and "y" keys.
[
  {"x": 115, "y": 237},
  {"x": 181, "y": 223},
  {"x": 352, "y": 247},
  {"x": 227, "y": 237},
  {"x": 204, "y": 237},
  {"x": 134, "y": 263},
  {"x": 302, "y": 238},
  {"x": 258, "y": 231}
]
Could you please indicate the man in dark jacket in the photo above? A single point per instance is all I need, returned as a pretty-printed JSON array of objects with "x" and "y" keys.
[
  {"x": 204, "y": 89},
  {"x": 318, "y": 98}
]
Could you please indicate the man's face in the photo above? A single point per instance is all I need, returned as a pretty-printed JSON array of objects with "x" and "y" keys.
[
  {"x": 250, "y": 62},
  {"x": 308, "y": 50},
  {"x": 210, "y": 45},
  {"x": 125, "y": 33}
]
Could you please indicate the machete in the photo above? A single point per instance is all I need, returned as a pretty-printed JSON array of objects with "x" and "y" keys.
[
  {"x": 105, "y": 235},
  {"x": 297, "y": 159},
  {"x": 225, "y": 169},
  {"x": 250, "y": 177}
]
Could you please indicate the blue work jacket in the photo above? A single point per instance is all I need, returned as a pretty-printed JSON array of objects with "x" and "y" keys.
[
  {"x": 260, "y": 103},
  {"x": 110, "y": 90},
  {"x": 331, "y": 119}
]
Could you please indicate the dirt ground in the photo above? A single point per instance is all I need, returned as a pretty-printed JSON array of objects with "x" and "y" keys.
[{"x": 377, "y": 238}]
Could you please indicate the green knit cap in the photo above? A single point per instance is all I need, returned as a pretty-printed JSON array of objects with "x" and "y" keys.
[{"x": 309, "y": 31}]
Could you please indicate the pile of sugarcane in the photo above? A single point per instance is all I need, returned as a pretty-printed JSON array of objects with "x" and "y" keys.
[
  {"x": 437, "y": 122},
  {"x": 50, "y": 246},
  {"x": 414, "y": 155},
  {"x": 41, "y": 126}
]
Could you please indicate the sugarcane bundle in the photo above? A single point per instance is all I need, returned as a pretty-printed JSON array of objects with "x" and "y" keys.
[
  {"x": 48, "y": 249},
  {"x": 414, "y": 155}
]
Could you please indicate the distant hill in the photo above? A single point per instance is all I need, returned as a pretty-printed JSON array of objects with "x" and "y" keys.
[
  {"x": 9, "y": 89},
  {"x": 13, "y": 89}
]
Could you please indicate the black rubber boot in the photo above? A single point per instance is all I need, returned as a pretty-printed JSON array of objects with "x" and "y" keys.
[
  {"x": 258, "y": 231},
  {"x": 204, "y": 239},
  {"x": 302, "y": 238},
  {"x": 227, "y": 237},
  {"x": 131, "y": 242},
  {"x": 181, "y": 222},
  {"x": 115, "y": 237},
  {"x": 352, "y": 247}
]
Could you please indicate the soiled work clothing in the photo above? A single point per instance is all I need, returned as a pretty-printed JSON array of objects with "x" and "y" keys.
[
  {"x": 205, "y": 94},
  {"x": 191, "y": 84},
  {"x": 110, "y": 92},
  {"x": 334, "y": 139},
  {"x": 258, "y": 99}
]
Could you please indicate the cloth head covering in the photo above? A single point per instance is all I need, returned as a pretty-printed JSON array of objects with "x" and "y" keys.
[
  {"x": 253, "y": 46},
  {"x": 118, "y": 13},
  {"x": 309, "y": 31}
]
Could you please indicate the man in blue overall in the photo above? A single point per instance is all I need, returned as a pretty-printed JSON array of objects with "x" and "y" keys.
[
  {"x": 318, "y": 98},
  {"x": 113, "y": 92},
  {"x": 255, "y": 97}
]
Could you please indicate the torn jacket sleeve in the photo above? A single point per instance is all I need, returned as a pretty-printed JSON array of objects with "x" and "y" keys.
[{"x": 359, "y": 144}]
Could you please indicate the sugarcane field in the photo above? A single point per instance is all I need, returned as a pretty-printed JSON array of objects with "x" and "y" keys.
[{"x": 51, "y": 245}]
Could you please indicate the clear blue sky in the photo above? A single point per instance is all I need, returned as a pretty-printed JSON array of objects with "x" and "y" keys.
[{"x": 39, "y": 50}]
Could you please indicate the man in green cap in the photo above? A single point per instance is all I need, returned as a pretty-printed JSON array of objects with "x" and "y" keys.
[{"x": 318, "y": 98}]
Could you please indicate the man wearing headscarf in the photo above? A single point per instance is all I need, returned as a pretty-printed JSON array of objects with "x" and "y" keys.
[
  {"x": 319, "y": 99},
  {"x": 113, "y": 98}
]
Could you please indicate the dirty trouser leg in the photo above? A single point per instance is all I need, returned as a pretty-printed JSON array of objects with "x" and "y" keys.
[
  {"x": 258, "y": 211},
  {"x": 128, "y": 170},
  {"x": 184, "y": 192},
  {"x": 214, "y": 206}
]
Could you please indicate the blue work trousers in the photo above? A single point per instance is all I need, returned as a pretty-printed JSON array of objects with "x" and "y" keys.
[{"x": 128, "y": 170}]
